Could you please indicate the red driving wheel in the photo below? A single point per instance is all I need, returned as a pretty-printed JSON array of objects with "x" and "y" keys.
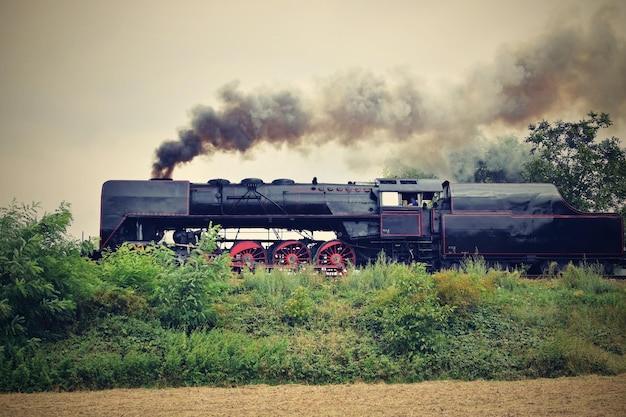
[
  {"x": 248, "y": 254},
  {"x": 335, "y": 254},
  {"x": 290, "y": 253}
]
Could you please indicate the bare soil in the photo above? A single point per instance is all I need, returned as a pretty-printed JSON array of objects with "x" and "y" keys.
[{"x": 581, "y": 396}]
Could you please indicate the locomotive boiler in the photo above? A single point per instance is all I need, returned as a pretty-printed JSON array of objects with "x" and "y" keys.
[{"x": 410, "y": 220}]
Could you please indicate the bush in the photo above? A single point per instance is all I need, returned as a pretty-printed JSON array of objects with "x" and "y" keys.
[
  {"x": 194, "y": 323},
  {"x": 407, "y": 316},
  {"x": 139, "y": 268},
  {"x": 465, "y": 289},
  {"x": 484, "y": 344},
  {"x": 44, "y": 280},
  {"x": 186, "y": 293},
  {"x": 457, "y": 290},
  {"x": 225, "y": 358},
  {"x": 120, "y": 301},
  {"x": 299, "y": 307}
]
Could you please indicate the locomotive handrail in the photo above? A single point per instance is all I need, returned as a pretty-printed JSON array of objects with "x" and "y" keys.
[{"x": 272, "y": 201}]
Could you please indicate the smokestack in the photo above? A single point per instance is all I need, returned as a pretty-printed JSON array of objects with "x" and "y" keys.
[{"x": 567, "y": 71}]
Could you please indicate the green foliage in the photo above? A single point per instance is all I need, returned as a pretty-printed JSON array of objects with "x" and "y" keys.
[
  {"x": 224, "y": 358},
  {"x": 340, "y": 356},
  {"x": 194, "y": 323},
  {"x": 377, "y": 276},
  {"x": 271, "y": 287},
  {"x": 44, "y": 281},
  {"x": 586, "y": 278},
  {"x": 591, "y": 175},
  {"x": 465, "y": 288},
  {"x": 408, "y": 315},
  {"x": 184, "y": 297},
  {"x": 137, "y": 267},
  {"x": 146, "y": 281},
  {"x": 490, "y": 161},
  {"x": 484, "y": 344},
  {"x": 458, "y": 290},
  {"x": 25, "y": 368},
  {"x": 568, "y": 354},
  {"x": 299, "y": 306},
  {"x": 120, "y": 301}
]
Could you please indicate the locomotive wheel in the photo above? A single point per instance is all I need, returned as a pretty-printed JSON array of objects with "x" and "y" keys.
[
  {"x": 335, "y": 254},
  {"x": 290, "y": 253},
  {"x": 248, "y": 253}
]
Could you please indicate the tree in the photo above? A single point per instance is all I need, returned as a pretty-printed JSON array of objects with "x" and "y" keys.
[
  {"x": 44, "y": 280},
  {"x": 502, "y": 161},
  {"x": 590, "y": 174}
]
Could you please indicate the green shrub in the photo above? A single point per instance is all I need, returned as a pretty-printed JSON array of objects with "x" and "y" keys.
[
  {"x": 186, "y": 294},
  {"x": 484, "y": 344},
  {"x": 407, "y": 316},
  {"x": 466, "y": 290},
  {"x": 195, "y": 323},
  {"x": 120, "y": 301},
  {"x": 25, "y": 368},
  {"x": 137, "y": 267},
  {"x": 457, "y": 289},
  {"x": 299, "y": 306},
  {"x": 44, "y": 280},
  {"x": 224, "y": 358}
]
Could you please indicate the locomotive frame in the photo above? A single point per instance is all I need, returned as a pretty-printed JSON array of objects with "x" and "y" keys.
[{"x": 410, "y": 220}]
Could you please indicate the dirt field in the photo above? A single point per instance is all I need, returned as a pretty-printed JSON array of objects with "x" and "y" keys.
[{"x": 584, "y": 396}]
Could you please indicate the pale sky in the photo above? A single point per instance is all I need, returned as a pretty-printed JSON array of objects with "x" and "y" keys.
[{"x": 89, "y": 89}]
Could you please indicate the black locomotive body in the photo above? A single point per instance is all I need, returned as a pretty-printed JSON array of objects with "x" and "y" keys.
[{"x": 410, "y": 220}]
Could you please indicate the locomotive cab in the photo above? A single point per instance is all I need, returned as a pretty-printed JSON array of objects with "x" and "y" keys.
[
  {"x": 398, "y": 192},
  {"x": 407, "y": 227}
]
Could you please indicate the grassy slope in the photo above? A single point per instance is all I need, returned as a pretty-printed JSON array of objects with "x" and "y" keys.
[{"x": 387, "y": 322}]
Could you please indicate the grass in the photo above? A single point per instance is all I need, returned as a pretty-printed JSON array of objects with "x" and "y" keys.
[{"x": 383, "y": 323}]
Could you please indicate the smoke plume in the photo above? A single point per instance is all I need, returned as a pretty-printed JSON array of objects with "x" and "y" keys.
[{"x": 572, "y": 68}]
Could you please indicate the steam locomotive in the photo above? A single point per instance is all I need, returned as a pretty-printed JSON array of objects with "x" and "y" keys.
[{"x": 410, "y": 220}]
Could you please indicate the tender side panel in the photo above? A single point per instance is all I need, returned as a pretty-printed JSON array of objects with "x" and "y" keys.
[{"x": 504, "y": 234}]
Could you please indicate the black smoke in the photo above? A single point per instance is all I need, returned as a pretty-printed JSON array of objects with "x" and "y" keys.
[{"x": 573, "y": 67}]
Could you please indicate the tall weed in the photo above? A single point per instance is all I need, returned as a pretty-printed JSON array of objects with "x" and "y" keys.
[
  {"x": 586, "y": 277},
  {"x": 466, "y": 287},
  {"x": 375, "y": 276},
  {"x": 272, "y": 287}
]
